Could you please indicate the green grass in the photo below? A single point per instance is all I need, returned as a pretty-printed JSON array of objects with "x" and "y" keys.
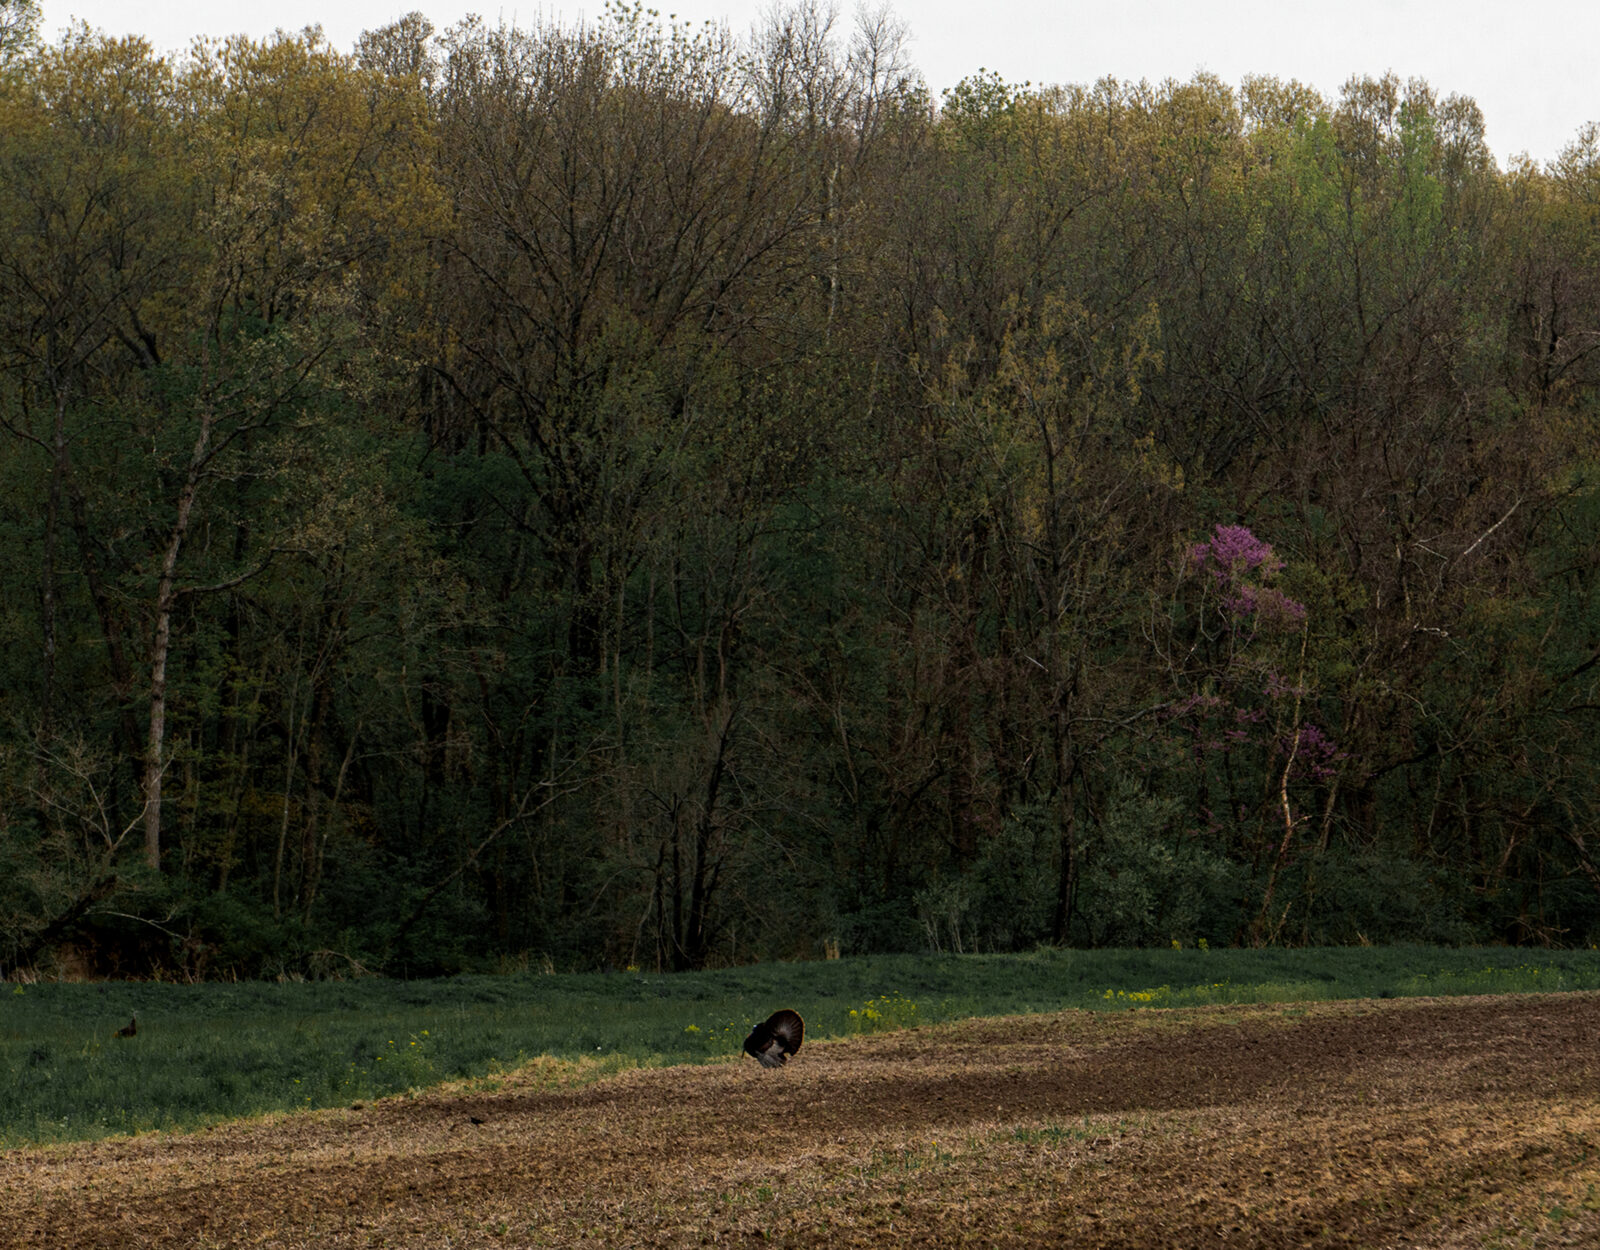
[{"x": 206, "y": 1053}]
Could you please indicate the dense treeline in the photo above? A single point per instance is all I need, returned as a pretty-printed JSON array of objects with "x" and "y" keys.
[{"x": 623, "y": 493}]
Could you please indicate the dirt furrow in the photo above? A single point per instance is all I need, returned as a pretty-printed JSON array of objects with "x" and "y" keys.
[{"x": 1415, "y": 1122}]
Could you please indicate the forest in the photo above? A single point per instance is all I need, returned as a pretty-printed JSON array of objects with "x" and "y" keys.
[{"x": 628, "y": 494}]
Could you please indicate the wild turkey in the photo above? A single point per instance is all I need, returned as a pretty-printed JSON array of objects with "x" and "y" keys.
[
  {"x": 129, "y": 1029},
  {"x": 776, "y": 1038}
]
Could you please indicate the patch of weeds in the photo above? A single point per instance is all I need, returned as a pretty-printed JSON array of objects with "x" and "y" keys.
[
  {"x": 393, "y": 1068},
  {"x": 1522, "y": 979},
  {"x": 884, "y": 1013},
  {"x": 716, "y": 1037},
  {"x": 1052, "y": 1134},
  {"x": 910, "y": 1158},
  {"x": 1215, "y": 993},
  {"x": 1575, "y": 1208}
]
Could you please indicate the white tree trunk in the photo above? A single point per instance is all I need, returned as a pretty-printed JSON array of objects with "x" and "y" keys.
[{"x": 154, "y": 763}]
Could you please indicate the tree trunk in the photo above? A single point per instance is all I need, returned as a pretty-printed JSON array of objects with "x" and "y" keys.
[{"x": 166, "y": 597}]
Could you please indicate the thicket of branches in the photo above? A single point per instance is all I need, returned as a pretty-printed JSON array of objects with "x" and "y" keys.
[{"x": 623, "y": 493}]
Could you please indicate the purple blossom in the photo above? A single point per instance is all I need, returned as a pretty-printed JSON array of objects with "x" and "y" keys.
[
  {"x": 1276, "y": 608},
  {"x": 1315, "y": 755},
  {"x": 1279, "y": 687},
  {"x": 1239, "y": 564},
  {"x": 1194, "y": 703},
  {"x": 1233, "y": 550}
]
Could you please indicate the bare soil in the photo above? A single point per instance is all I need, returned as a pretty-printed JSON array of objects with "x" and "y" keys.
[{"x": 1442, "y": 1122}]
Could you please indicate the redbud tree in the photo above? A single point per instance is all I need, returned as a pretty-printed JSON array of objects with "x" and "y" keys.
[{"x": 1244, "y": 710}]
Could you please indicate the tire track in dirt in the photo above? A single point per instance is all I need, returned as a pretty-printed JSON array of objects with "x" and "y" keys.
[{"x": 1409, "y": 1122}]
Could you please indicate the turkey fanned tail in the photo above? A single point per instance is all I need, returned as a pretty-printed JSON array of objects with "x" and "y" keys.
[{"x": 776, "y": 1038}]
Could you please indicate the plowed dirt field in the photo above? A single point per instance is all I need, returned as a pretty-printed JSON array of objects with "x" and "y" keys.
[{"x": 1422, "y": 1122}]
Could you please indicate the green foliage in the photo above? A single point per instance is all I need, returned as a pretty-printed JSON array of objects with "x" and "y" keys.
[
  {"x": 885, "y": 1013},
  {"x": 1382, "y": 896},
  {"x": 19, "y": 30},
  {"x": 1146, "y": 882},
  {"x": 620, "y": 494}
]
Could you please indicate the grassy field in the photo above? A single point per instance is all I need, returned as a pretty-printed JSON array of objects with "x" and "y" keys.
[{"x": 209, "y": 1053}]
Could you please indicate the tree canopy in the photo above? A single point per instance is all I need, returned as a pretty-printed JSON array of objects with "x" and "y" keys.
[{"x": 616, "y": 493}]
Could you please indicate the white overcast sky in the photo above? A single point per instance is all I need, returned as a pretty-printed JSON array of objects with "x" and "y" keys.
[{"x": 1533, "y": 66}]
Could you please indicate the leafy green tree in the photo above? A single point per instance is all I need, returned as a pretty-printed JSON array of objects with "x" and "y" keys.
[
  {"x": 19, "y": 30},
  {"x": 619, "y": 492}
]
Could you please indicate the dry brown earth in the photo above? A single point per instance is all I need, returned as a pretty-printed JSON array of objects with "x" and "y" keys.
[{"x": 1443, "y": 1122}]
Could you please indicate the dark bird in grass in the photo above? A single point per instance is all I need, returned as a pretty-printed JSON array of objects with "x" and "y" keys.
[
  {"x": 129, "y": 1029},
  {"x": 776, "y": 1038}
]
